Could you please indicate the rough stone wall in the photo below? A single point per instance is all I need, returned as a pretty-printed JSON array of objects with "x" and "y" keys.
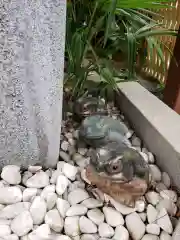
[{"x": 32, "y": 37}]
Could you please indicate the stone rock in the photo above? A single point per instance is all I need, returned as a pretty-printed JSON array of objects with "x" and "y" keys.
[
  {"x": 64, "y": 146},
  {"x": 96, "y": 216},
  {"x": 170, "y": 207},
  {"x": 75, "y": 185},
  {"x": 150, "y": 237},
  {"x": 151, "y": 213},
  {"x": 160, "y": 187},
  {"x": 165, "y": 236},
  {"x": 88, "y": 237},
  {"x": 163, "y": 221},
  {"x": 105, "y": 230},
  {"x": 38, "y": 180},
  {"x": 60, "y": 166},
  {"x": 65, "y": 157},
  {"x": 51, "y": 200},
  {"x": 151, "y": 158},
  {"x": 11, "y": 174},
  {"x": 155, "y": 172},
  {"x": 41, "y": 232},
  {"x": 169, "y": 194},
  {"x": 54, "y": 176},
  {"x": 121, "y": 233},
  {"x": 86, "y": 225},
  {"x": 54, "y": 220},
  {"x": 77, "y": 196},
  {"x": 62, "y": 237},
  {"x": 38, "y": 210},
  {"x": 34, "y": 169},
  {"x": 121, "y": 208},
  {"x": 71, "y": 226},
  {"x": 48, "y": 189},
  {"x": 5, "y": 222},
  {"x": 143, "y": 216},
  {"x": 4, "y": 230},
  {"x": 26, "y": 176},
  {"x": 166, "y": 179},
  {"x": 29, "y": 193},
  {"x": 113, "y": 217},
  {"x": 61, "y": 184},
  {"x": 13, "y": 210},
  {"x": 76, "y": 210},
  {"x": 152, "y": 197},
  {"x": 145, "y": 156},
  {"x": 140, "y": 205},
  {"x": 135, "y": 226},
  {"x": 22, "y": 224},
  {"x": 153, "y": 229},
  {"x": 10, "y": 195},
  {"x": 11, "y": 237},
  {"x": 69, "y": 171},
  {"x": 92, "y": 203},
  {"x": 62, "y": 206}
]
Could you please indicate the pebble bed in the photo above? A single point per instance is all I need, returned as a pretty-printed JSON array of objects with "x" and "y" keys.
[{"x": 54, "y": 204}]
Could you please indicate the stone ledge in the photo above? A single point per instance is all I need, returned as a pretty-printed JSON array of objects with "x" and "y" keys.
[{"x": 155, "y": 123}]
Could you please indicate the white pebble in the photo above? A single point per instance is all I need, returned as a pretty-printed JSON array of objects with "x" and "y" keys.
[
  {"x": 169, "y": 194},
  {"x": 86, "y": 225},
  {"x": 153, "y": 229},
  {"x": 54, "y": 176},
  {"x": 64, "y": 146},
  {"x": 62, "y": 237},
  {"x": 71, "y": 226},
  {"x": 48, "y": 189},
  {"x": 34, "y": 169},
  {"x": 165, "y": 236},
  {"x": 89, "y": 237},
  {"x": 65, "y": 157},
  {"x": 5, "y": 222},
  {"x": 62, "y": 206},
  {"x": 38, "y": 210},
  {"x": 122, "y": 208},
  {"x": 26, "y": 176},
  {"x": 75, "y": 185},
  {"x": 170, "y": 206},
  {"x": 69, "y": 171},
  {"x": 13, "y": 210},
  {"x": 96, "y": 216},
  {"x": 163, "y": 221},
  {"x": 41, "y": 232},
  {"x": 155, "y": 172},
  {"x": 151, "y": 213},
  {"x": 54, "y": 220},
  {"x": 61, "y": 184},
  {"x": 166, "y": 179},
  {"x": 151, "y": 157},
  {"x": 92, "y": 203},
  {"x": 105, "y": 230},
  {"x": 51, "y": 200},
  {"x": 11, "y": 174},
  {"x": 10, "y": 195},
  {"x": 135, "y": 226},
  {"x": 76, "y": 210},
  {"x": 153, "y": 197},
  {"x": 22, "y": 224},
  {"x": 113, "y": 217},
  {"x": 121, "y": 233},
  {"x": 11, "y": 237},
  {"x": 150, "y": 237},
  {"x": 160, "y": 187},
  {"x": 4, "y": 230},
  {"x": 77, "y": 196},
  {"x": 39, "y": 180},
  {"x": 145, "y": 157},
  {"x": 29, "y": 193},
  {"x": 140, "y": 205},
  {"x": 143, "y": 216}
]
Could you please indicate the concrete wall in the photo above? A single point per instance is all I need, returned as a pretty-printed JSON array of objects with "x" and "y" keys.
[
  {"x": 157, "y": 125},
  {"x": 32, "y": 36}
]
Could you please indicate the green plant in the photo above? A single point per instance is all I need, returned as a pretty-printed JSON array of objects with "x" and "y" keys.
[{"x": 98, "y": 29}]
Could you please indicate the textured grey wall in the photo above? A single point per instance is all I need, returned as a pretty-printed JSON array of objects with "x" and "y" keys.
[{"x": 32, "y": 36}]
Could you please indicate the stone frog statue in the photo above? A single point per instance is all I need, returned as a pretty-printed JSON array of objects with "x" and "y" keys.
[
  {"x": 87, "y": 106},
  {"x": 119, "y": 171},
  {"x": 98, "y": 130}
]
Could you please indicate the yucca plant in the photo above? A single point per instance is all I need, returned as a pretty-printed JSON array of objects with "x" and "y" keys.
[{"x": 98, "y": 29}]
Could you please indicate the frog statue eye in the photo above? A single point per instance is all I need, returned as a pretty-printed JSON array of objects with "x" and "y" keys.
[{"x": 114, "y": 167}]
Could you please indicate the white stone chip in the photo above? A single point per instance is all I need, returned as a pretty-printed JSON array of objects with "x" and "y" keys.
[
  {"x": 165, "y": 236},
  {"x": 51, "y": 200},
  {"x": 10, "y": 195},
  {"x": 155, "y": 172},
  {"x": 64, "y": 156},
  {"x": 96, "y": 216},
  {"x": 62, "y": 206},
  {"x": 4, "y": 230},
  {"x": 113, "y": 217},
  {"x": 11, "y": 237},
  {"x": 151, "y": 214},
  {"x": 71, "y": 226},
  {"x": 150, "y": 237},
  {"x": 61, "y": 184},
  {"x": 38, "y": 210},
  {"x": 48, "y": 189},
  {"x": 54, "y": 220},
  {"x": 153, "y": 229},
  {"x": 164, "y": 221},
  {"x": 170, "y": 206},
  {"x": 76, "y": 210},
  {"x": 13, "y": 210},
  {"x": 135, "y": 226},
  {"x": 29, "y": 193},
  {"x": 166, "y": 179},
  {"x": 38, "y": 180},
  {"x": 105, "y": 230},
  {"x": 22, "y": 224},
  {"x": 69, "y": 171},
  {"x": 121, "y": 208},
  {"x": 42, "y": 232},
  {"x": 11, "y": 174},
  {"x": 34, "y": 169},
  {"x": 77, "y": 196},
  {"x": 89, "y": 237},
  {"x": 92, "y": 203},
  {"x": 86, "y": 225},
  {"x": 169, "y": 194},
  {"x": 153, "y": 197},
  {"x": 121, "y": 233}
]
